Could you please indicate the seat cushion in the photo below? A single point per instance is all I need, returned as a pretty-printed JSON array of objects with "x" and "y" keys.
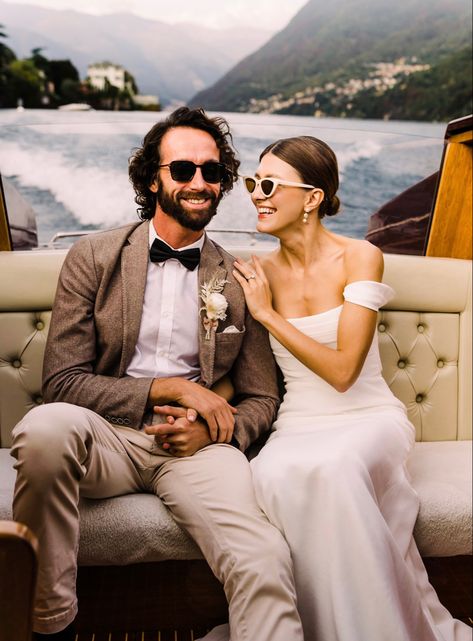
[
  {"x": 134, "y": 528},
  {"x": 137, "y": 528},
  {"x": 441, "y": 474}
]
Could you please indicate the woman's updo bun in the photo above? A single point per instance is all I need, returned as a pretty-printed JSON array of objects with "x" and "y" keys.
[
  {"x": 329, "y": 207},
  {"x": 316, "y": 164}
]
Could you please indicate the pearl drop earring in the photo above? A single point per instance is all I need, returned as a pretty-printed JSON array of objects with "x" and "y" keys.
[{"x": 305, "y": 217}]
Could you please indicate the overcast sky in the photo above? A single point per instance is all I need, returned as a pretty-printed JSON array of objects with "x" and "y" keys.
[{"x": 266, "y": 14}]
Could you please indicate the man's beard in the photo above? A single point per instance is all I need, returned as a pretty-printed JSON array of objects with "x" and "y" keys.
[{"x": 196, "y": 221}]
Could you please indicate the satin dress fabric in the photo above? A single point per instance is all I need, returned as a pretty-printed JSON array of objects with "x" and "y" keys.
[{"x": 332, "y": 477}]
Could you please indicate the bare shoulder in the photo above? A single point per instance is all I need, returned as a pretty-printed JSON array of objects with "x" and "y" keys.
[{"x": 363, "y": 260}]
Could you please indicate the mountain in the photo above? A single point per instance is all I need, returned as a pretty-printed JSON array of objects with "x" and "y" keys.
[
  {"x": 331, "y": 53},
  {"x": 173, "y": 61}
]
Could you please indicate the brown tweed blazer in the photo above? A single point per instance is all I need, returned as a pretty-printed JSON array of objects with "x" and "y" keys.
[{"x": 95, "y": 323}]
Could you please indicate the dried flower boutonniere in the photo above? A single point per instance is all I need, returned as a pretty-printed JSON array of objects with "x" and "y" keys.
[{"x": 215, "y": 304}]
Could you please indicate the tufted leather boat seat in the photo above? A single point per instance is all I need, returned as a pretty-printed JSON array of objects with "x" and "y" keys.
[{"x": 425, "y": 342}]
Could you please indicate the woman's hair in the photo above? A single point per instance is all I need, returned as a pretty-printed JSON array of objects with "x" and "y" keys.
[
  {"x": 144, "y": 163},
  {"x": 316, "y": 164}
]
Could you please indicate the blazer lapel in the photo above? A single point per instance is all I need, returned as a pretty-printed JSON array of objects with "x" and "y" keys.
[
  {"x": 210, "y": 266},
  {"x": 134, "y": 268}
]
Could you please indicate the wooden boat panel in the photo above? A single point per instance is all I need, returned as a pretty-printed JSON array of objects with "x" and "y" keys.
[{"x": 451, "y": 229}]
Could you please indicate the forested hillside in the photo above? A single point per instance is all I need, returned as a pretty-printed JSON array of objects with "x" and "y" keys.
[{"x": 365, "y": 58}]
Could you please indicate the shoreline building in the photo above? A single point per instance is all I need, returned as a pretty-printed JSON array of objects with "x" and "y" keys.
[{"x": 101, "y": 74}]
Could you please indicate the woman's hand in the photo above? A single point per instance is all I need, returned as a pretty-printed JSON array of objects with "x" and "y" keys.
[{"x": 256, "y": 288}]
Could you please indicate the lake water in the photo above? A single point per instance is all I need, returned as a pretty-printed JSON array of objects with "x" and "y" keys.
[{"x": 72, "y": 166}]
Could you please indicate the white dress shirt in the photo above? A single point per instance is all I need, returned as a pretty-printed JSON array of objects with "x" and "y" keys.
[{"x": 168, "y": 340}]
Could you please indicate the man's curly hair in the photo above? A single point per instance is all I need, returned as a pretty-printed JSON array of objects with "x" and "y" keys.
[{"x": 143, "y": 164}]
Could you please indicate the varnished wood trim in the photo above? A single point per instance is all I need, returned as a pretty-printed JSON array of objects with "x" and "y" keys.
[
  {"x": 18, "y": 570},
  {"x": 5, "y": 237},
  {"x": 13, "y": 529},
  {"x": 465, "y": 137},
  {"x": 451, "y": 227}
]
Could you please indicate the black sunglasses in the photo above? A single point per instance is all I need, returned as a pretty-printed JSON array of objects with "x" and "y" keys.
[{"x": 182, "y": 171}]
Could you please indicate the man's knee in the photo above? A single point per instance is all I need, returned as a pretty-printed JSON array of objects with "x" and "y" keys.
[
  {"x": 46, "y": 422},
  {"x": 42, "y": 438}
]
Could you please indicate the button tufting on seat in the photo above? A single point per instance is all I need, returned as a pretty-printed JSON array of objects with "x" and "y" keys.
[
  {"x": 419, "y": 398},
  {"x": 420, "y": 328},
  {"x": 401, "y": 364},
  {"x": 38, "y": 400},
  {"x": 381, "y": 327},
  {"x": 40, "y": 325},
  {"x": 16, "y": 364},
  {"x": 440, "y": 363}
]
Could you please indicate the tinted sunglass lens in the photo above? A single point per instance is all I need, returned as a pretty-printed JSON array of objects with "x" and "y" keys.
[
  {"x": 182, "y": 170},
  {"x": 267, "y": 186},
  {"x": 212, "y": 172},
  {"x": 250, "y": 184}
]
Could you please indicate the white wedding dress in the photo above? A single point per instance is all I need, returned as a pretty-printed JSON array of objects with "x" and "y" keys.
[{"x": 332, "y": 477}]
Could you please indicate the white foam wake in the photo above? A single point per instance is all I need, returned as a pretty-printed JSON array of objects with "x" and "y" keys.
[
  {"x": 94, "y": 195},
  {"x": 357, "y": 151}
]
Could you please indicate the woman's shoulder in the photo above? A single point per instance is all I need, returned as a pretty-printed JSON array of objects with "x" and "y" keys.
[{"x": 363, "y": 259}]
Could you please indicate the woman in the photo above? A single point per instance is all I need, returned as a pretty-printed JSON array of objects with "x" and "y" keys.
[{"x": 332, "y": 475}]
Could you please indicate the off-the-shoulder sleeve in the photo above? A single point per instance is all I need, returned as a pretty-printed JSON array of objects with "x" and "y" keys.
[{"x": 368, "y": 293}]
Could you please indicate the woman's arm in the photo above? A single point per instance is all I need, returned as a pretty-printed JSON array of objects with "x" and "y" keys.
[
  {"x": 224, "y": 388},
  {"x": 340, "y": 367}
]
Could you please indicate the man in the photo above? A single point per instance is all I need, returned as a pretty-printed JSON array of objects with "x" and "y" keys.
[{"x": 130, "y": 340}]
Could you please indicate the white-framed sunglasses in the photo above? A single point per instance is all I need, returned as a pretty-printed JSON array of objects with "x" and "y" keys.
[{"x": 269, "y": 185}]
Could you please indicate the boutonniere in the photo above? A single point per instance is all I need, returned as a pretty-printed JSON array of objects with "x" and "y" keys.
[{"x": 215, "y": 304}]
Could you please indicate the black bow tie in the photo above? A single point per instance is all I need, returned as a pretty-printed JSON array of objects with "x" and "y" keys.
[{"x": 159, "y": 252}]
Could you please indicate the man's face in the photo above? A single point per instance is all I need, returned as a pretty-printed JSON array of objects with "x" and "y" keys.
[{"x": 194, "y": 203}]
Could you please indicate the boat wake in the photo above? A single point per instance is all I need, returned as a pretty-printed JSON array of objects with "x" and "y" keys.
[{"x": 93, "y": 195}]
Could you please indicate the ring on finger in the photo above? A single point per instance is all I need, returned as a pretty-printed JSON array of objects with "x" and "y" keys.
[{"x": 251, "y": 276}]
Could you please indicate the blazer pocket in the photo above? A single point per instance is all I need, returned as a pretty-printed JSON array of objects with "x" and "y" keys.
[
  {"x": 231, "y": 329},
  {"x": 229, "y": 338}
]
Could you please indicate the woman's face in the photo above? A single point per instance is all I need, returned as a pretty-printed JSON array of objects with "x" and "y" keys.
[{"x": 286, "y": 205}]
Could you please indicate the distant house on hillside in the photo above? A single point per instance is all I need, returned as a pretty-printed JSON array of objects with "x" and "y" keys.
[{"x": 102, "y": 74}]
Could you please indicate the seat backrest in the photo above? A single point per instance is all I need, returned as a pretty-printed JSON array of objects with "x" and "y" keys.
[
  {"x": 424, "y": 332},
  {"x": 425, "y": 343}
]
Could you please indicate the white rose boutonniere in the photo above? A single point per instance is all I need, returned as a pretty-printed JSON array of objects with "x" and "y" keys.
[{"x": 215, "y": 304}]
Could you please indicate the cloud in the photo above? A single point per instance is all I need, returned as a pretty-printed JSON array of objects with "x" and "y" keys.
[{"x": 270, "y": 15}]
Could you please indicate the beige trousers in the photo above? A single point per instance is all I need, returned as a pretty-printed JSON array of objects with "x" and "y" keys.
[{"x": 64, "y": 451}]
